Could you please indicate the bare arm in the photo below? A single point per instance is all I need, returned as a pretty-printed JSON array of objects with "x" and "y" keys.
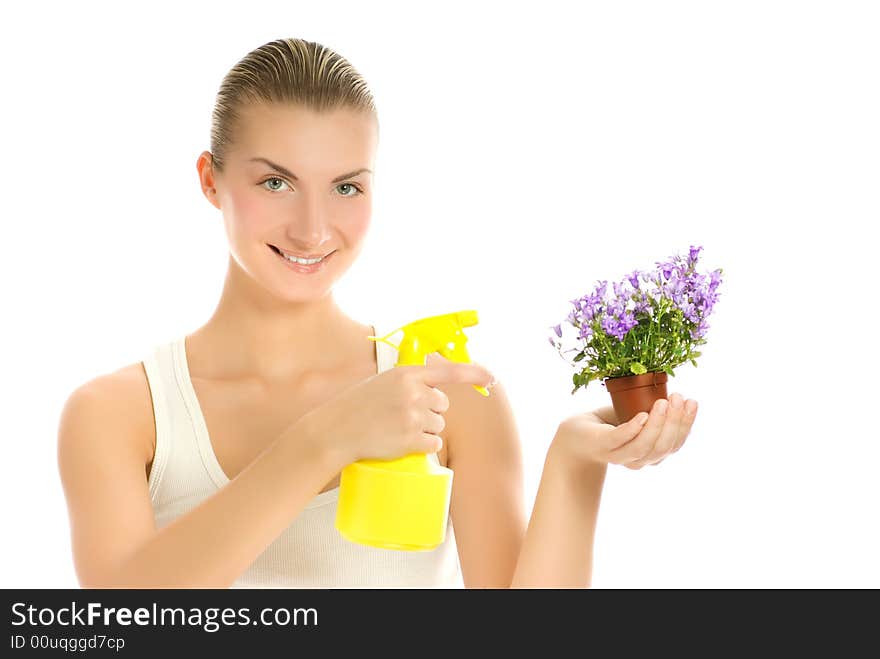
[
  {"x": 555, "y": 550},
  {"x": 114, "y": 537},
  {"x": 496, "y": 546},
  {"x": 487, "y": 509},
  {"x": 558, "y": 548}
]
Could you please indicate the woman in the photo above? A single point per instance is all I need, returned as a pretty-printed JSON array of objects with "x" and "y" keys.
[{"x": 215, "y": 461}]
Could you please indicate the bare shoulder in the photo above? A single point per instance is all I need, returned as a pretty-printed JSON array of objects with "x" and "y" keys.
[
  {"x": 480, "y": 427},
  {"x": 487, "y": 505},
  {"x": 105, "y": 438},
  {"x": 118, "y": 401}
]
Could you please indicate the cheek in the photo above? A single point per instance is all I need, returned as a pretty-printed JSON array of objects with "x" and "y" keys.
[
  {"x": 357, "y": 224},
  {"x": 246, "y": 215}
]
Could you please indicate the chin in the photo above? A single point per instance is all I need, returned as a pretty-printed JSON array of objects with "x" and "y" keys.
[{"x": 303, "y": 294}]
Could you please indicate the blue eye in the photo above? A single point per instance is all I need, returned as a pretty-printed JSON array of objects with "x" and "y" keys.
[
  {"x": 282, "y": 181},
  {"x": 359, "y": 191},
  {"x": 273, "y": 178}
]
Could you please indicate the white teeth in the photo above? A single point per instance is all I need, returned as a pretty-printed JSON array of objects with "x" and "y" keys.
[
  {"x": 303, "y": 261},
  {"x": 296, "y": 259}
]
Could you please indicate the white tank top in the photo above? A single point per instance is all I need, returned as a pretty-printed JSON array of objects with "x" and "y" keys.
[{"x": 310, "y": 552}]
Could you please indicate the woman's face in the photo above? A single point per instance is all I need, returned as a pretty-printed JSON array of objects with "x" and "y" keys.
[{"x": 293, "y": 181}]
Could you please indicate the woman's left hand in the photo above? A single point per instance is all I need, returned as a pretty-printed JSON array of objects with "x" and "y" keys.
[{"x": 588, "y": 439}]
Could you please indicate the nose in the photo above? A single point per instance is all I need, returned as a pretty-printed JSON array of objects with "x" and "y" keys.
[{"x": 309, "y": 228}]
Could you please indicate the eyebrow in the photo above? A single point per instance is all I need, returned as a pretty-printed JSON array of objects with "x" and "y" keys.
[{"x": 290, "y": 174}]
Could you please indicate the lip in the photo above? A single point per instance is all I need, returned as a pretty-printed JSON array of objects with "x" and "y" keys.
[
  {"x": 300, "y": 256},
  {"x": 303, "y": 269}
]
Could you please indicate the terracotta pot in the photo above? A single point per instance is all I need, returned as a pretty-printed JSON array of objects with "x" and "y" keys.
[{"x": 631, "y": 394}]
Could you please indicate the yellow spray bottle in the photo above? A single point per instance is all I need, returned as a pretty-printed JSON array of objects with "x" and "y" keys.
[{"x": 404, "y": 503}]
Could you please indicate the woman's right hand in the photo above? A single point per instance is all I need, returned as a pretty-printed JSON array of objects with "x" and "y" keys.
[{"x": 391, "y": 414}]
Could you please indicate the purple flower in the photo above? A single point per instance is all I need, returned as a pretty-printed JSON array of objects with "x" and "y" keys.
[
  {"x": 666, "y": 269},
  {"x": 690, "y": 312},
  {"x": 670, "y": 311}
]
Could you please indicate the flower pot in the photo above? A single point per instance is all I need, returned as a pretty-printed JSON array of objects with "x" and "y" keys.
[{"x": 631, "y": 394}]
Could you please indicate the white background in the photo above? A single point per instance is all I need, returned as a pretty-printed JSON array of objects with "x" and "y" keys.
[{"x": 527, "y": 150}]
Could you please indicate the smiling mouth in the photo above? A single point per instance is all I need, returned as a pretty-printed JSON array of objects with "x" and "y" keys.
[{"x": 297, "y": 259}]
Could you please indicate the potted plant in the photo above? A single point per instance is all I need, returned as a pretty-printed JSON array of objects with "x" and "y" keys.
[{"x": 633, "y": 338}]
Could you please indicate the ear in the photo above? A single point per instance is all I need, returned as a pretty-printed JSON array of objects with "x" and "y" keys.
[{"x": 205, "y": 168}]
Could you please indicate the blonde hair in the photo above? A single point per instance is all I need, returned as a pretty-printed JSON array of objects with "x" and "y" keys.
[{"x": 294, "y": 71}]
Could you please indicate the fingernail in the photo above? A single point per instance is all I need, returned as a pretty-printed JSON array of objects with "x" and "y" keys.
[
  {"x": 661, "y": 407},
  {"x": 675, "y": 402},
  {"x": 691, "y": 408}
]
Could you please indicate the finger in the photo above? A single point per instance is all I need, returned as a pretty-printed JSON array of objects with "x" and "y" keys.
[
  {"x": 434, "y": 423},
  {"x": 670, "y": 433},
  {"x": 429, "y": 440},
  {"x": 625, "y": 432},
  {"x": 437, "y": 399},
  {"x": 430, "y": 443},
  {"x": 644, "y": 441},
  {"x": 687, "y": 422},
  {"x": 439, "y": 370}
]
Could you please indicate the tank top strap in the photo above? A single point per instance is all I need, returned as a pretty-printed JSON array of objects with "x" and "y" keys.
[
  {"x": 156, "y": 366},
  {"x": 386, "y": 355}
]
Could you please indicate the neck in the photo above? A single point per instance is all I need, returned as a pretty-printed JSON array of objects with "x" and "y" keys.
[{"x": 253, "y": 333}]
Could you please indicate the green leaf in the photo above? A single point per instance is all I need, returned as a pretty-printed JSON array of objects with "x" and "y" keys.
[
  {"x": 579, "y": 356},
  {"x": 668, "y": 370},
  {"x": 637, "y": 368},
  {"x": 694, "y": 362}
]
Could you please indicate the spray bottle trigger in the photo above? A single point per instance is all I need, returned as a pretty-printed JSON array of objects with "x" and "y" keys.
[{"x": 459, "y": 353}]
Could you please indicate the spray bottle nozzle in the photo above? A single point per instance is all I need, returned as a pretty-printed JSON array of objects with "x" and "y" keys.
[{"x": 443, "y": 334}]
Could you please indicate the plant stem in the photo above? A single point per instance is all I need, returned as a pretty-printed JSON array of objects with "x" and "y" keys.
[{"x": 607, "y": 345}]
